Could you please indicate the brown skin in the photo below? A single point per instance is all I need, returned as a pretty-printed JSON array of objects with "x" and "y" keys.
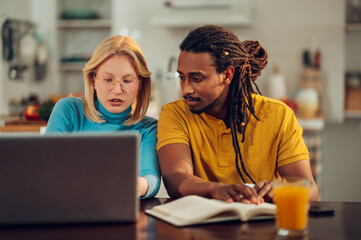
[
  {"x": 202, "y": 86},
  {"x": 300, "y": 168},
  {"x": 177, "y": 170}
]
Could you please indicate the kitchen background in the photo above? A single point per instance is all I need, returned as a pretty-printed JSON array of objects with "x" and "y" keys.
[{"x": 310, "y": 42}]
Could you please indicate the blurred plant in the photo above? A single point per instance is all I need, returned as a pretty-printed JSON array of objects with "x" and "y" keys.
[{"x": 45, "y": 109}]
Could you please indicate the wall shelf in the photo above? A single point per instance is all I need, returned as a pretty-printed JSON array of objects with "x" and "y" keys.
[
  {"x": 353, "y": 113},
  {"x": 93, "y": 23},
  {"x": 225, "y": 13},
  {"x": 312, "y": 124},
  {"x": 77, "y": 38},
  {"x": 71, "y": 67},
  {"x": 172, "y": 20},
  {"x": 353, "y": 73},
  {"x": 353, "y": 26}
]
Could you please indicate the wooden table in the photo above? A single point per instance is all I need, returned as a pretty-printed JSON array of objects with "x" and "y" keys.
[{"x": 345, "y": 224}]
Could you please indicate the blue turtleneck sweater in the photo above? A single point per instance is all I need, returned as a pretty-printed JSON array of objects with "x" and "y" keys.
[{"x": 68, "y": 116}]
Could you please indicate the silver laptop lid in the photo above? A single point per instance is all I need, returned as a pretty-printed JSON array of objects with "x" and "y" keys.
[{"x": 68, "y": 178}]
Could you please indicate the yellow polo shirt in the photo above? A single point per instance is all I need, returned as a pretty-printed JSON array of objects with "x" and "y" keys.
[{"x": 274, "y": 141}]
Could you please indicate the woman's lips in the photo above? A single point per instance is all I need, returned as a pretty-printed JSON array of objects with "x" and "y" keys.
[{"x": 116, "y": 102}]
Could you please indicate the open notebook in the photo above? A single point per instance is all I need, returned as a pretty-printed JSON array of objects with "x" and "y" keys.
[{"x": 190, "y": 210}]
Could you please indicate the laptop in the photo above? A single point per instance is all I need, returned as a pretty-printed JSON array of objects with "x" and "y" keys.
[{"x": 88, "y": 178}]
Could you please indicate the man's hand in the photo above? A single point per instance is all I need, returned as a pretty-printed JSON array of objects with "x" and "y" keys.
[
  {"x": 264, "y": 189},
  {"x": 176, "y": 165},
  {"x": 234, "y": 192}
]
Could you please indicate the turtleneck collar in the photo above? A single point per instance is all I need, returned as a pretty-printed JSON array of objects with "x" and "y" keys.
[{"x": 109, "y": 117}]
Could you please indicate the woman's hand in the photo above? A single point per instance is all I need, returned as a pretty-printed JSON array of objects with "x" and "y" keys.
[
  {"x": 264, "y": 189},
  {"x": 142, "y": 186}
]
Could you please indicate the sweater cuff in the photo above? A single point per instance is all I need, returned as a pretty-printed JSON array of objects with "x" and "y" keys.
[{"x": 152, "y": 185}]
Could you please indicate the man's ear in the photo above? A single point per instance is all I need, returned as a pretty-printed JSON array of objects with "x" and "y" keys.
[{"x": 228, "y": 75}]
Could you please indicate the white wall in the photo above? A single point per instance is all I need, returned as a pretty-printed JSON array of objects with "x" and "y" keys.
[
  {"x": 10, "y": 9},
  {"x": 342, "y": 161},
  {"x": 158, "y": 43},
  {"x": 40, "y": 13},
  {"x": 284, "y": 27},
  {"x": 287, "y": 27}
]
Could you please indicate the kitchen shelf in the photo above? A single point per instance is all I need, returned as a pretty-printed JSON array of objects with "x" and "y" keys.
[
  {"x": 71, "y": 67},
  {"x": 352, "y": 49},
  {"x": 189, "y": 21},
  {"x": 312, "y": 124},
  {"x": 93, "y": 23},
  {"x": 225, "y": 13},
  {"x": 77, "y": 38},
  {"x": 353, "y": 113},
  {"x": 353, "y": 26}
]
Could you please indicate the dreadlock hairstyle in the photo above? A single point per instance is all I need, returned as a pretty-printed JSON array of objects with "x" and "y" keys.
[{"x": 248, "y": 58}]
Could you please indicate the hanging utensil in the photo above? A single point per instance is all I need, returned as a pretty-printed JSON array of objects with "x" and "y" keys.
[
  {"x": 41, "y": 59},
  {"x": 28, "y": 49},
  {"x": 15, "y": 71},
  {"x": 16, "y": 67},
  {"x": 7, "y": 40}
]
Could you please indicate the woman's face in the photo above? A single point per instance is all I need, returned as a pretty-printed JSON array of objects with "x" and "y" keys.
[{"x": 116, "y": 83}]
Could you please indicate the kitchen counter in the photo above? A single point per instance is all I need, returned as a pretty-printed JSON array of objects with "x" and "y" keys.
[
  {"x": 316, "y": 123},
  {"x": 19, "y": 124}
]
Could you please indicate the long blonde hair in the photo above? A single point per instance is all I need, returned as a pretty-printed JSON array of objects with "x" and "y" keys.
[{"x": 117, "y": 46}]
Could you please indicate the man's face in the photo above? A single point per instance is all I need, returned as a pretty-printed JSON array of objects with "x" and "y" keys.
[{"x": 203, "y": 88}]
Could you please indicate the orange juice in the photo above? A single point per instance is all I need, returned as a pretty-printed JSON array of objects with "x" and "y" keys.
[{"x": 292, "y": 207}]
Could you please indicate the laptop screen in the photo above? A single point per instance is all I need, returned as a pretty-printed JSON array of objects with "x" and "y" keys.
[{"x": 69, "y": 178}]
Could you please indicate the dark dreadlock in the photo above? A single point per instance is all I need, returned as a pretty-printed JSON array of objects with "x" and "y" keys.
[{"x": 248, "y": 58}]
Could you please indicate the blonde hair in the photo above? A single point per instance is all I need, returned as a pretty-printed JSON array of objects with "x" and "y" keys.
[{"x": 117, "y": 46}]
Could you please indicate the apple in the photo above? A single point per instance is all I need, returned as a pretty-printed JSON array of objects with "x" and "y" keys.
[{"x": 32, "y": 112}]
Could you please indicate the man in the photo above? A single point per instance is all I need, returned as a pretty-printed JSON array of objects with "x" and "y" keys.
[{"x": 223, "y": 134}]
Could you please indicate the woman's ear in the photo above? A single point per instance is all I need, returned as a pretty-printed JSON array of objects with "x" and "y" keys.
[
  {"x": 228, "y": 75},
  {"x": 93, "y": 79},
  {"x": 140, "y": 84}
]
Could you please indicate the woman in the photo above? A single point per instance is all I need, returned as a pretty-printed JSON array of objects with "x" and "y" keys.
[{"x": 117, "y": 95}]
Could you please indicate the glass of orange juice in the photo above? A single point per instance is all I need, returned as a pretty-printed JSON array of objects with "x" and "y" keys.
[{"x": 291, "y": 198}]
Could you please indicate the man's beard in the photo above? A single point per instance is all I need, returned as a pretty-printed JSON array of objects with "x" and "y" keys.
[{"x": 206, "y": 108}]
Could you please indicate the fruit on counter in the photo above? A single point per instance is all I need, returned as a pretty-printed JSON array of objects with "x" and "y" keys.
[{"x": 31, "y": 112}]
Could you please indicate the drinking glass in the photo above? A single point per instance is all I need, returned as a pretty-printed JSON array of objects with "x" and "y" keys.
[{"x": 291, "y": 195}]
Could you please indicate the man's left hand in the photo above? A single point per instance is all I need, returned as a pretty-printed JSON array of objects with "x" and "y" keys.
[{"x": 264, "y": 189}]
